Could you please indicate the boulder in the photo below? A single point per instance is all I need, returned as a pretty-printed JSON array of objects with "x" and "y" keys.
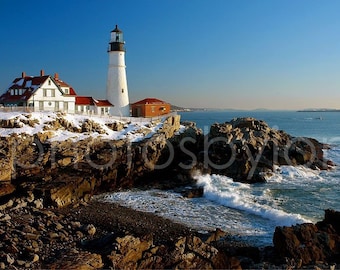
[
  {"x": 129, "y": 252},
  {"x": 6, "y": 189},
  {"x": 310, "y": 243},
  {"x": 246, "y": 149},
  {"x": 81, "y": 260},
  {"x": 188, "y": 252},
  {"x": 193, "y": 192}
]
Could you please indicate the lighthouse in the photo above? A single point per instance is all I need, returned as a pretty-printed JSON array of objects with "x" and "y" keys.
[{"x": 116, "y": 87}]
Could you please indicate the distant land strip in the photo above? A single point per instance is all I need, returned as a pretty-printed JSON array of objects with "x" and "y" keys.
[{"x": 319, "y": 110}]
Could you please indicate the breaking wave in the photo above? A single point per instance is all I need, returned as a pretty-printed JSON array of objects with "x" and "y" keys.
[{"x": 222, "y": 190}]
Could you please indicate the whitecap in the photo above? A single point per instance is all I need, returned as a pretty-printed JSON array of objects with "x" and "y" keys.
[{"x": 225, "y": 191}]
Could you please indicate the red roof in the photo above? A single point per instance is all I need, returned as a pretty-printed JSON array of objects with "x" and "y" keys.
[
  {"x": 64, "y": 84},
  {"x": 150, "y": 101},
  {"x": 7, "y": 97},
  {"x": 91, "y": 101},
  {"x": 72, "y": 92},
  {"x": 38, "y": 80},
  {"x": 84, "y": 100},
  {"x": 102, "y": 103},
  {"x": 29, "y": 84}
]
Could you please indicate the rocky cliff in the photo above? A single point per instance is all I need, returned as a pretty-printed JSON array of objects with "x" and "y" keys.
[
  {"x": 309, "y": 243},
  {"x": 247, "y": 149},
  {"x": 89, "y": 161},
  {"x": 48, "y": 165},
  {"x": 65, "y": 170}
]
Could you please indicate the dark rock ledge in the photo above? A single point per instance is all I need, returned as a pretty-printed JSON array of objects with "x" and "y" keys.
[
  {"x": 97, "y": 235},
  {"x": 63, "y": 172},
  {"x": 247, "y": 149},
  {"x": 48, "y": 220}
]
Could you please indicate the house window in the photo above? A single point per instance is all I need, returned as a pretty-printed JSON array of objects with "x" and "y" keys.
[
  {"x": 52, "y": 92},
  {"x": 16, "y": 92},
  {"x": 45, "y": 92},
  {"x": 66, "y": 91},
  {"x": 152, "y": 108},
  {"x": 12, "y": 92},
  {"x": 49, "y": 82}
]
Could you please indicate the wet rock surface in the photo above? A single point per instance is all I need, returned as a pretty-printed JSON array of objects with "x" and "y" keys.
[
  {"x": 66, "y": 171},
  {"x": 246, "y": 149},
  {"x": 310, "y": 243},
  {"x": 49, "y": 221},
  {"x": 97, "y": 235}
]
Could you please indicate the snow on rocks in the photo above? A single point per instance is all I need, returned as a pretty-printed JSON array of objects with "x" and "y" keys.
[{"x": 61, "y": 126}]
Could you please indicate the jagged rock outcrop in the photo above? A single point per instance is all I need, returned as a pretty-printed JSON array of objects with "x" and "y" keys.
[
  {"x": 308, "y": 243},
  {"x": 245, "y": 149},
  {"x": 189, "y": 252},
  {"x": 31, "y": 233},
  {"x": 65, "y": 171},
  {"x": 35, "y": 235}
]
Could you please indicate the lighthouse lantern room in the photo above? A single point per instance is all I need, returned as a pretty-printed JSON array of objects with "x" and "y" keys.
[
  {"x": 116, "y": 87},
  {"x": 117, "y": 41}
]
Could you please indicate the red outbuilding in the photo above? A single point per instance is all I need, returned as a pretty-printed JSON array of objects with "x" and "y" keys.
[{"x": 150, "y": 107}]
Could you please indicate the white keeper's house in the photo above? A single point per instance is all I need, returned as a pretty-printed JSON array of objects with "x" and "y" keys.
[{"x": 49, "y": 93}]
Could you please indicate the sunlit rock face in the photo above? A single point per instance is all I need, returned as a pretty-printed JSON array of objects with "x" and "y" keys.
[{"x": 246, "y": 149}]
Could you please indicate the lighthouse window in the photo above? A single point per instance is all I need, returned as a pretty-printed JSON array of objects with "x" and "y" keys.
[{"x": 122, "y": 90}]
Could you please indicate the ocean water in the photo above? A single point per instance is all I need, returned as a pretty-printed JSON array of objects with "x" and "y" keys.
[{"x": 251, "y": 212}]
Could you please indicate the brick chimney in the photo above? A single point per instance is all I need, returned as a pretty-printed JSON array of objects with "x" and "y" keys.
[
  {"x": 42, "y": 72},
  {"x": 23, "y": 74},
  {"x": 56, "y": 76}
]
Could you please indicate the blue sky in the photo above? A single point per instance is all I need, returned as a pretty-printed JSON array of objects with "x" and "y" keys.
[{"x": 242, "y": 54}]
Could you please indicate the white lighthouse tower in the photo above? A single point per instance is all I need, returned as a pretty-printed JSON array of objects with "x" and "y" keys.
[{"x": 116, "y": 87}]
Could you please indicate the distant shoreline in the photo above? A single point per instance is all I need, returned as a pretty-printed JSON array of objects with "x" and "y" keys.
[{"x": 325, "y": 110}]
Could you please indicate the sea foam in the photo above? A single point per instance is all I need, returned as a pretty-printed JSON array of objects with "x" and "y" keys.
[{"x": 225, "y": 191}]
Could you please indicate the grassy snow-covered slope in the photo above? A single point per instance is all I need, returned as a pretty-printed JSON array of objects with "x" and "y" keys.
[{"x": 76, "y": 127}]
